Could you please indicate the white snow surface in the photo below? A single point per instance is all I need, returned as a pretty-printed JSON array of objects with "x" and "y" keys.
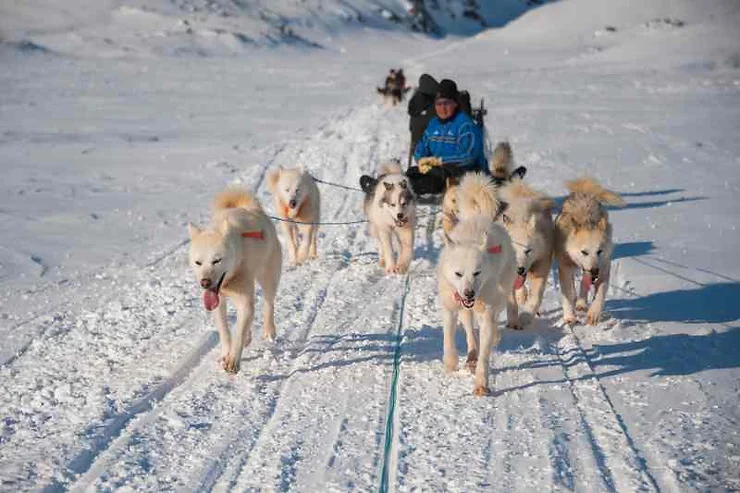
[{"x": 108, "y": 371}]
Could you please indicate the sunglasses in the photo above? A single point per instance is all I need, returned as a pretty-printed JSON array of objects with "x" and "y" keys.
[{"x": 444, "y": 102}]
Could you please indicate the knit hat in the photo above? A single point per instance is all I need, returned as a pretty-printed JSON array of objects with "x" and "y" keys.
[{"x": 447, "y": 90}]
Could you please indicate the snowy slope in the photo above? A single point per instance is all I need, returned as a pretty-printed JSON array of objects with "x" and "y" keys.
[{"x": 108, "y": 372}]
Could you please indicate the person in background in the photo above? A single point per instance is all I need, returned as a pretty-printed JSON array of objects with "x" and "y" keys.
[{"x": 421, "y": 109}]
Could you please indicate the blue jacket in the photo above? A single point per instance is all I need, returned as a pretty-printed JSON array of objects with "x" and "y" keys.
[{"x": 458, "y": 141}]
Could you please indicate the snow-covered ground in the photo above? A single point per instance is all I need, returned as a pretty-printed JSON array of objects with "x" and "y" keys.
[{"x": 108, "y": 372}]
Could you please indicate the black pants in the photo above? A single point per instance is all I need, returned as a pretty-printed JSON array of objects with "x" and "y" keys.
[{"x": 435, "y": 180}]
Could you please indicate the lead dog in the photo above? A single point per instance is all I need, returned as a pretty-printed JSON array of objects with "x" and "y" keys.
[
  {"x": 583, "y": 240},
  {"x": 297, "y": 200},
  {"x": 527, "y": 216},
  {"x": 390, "y": 207},
  {"x": 238, "y": 249},
  {"x": 475, "y": 276}
]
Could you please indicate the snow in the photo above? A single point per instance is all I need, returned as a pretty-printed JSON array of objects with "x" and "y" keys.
[{"x": 119, "y": 122}]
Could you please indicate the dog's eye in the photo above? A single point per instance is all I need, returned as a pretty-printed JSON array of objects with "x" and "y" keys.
[
  {"x": 216, "y": 261},
  {"x": 599, "y": 252},
  {"x": 584, "y": 252},
  {"x": 476, "y": 274},
  {"x": 458, "y": 274},
  {"x": 392, "y": 205},
  {"x": 527, "y": 251},
  {"x": 198, "y": 262}
]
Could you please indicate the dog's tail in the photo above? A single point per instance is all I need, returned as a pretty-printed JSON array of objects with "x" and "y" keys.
[
  {"x": 236, "y": 198},
  {"x": 518, "y": 190},
  {"x": 476, "y": 194},
  {"x": 392, "y": 167},
  {"x": 589, "y": 186},
  {"x": 500, "y": 163}
]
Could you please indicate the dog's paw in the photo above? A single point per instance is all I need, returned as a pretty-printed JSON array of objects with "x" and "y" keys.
[
  {"x": 525, "y": 318},
  {"x": 581, "y": 305},
  {"x": 481, "y": 391},
  {"x": 514, "y": 326},
  {"x": 401, "y": 268},
  {"x": 472, "y": 361},
  {"x": 570, "y": 320},
  {"x": 593, "y": 316},
  {"x": 450, "y": 362},
  {"x": 267, "y": 335},
  {"x": 231, "y": 364},
  {"x": 390, "y": 269}
]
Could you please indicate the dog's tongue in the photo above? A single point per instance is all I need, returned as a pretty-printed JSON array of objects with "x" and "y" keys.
[
  {"x": 210, "y": 299},
  {"x": 519, "y": 281},
  {"x": 586, "y": 282}
]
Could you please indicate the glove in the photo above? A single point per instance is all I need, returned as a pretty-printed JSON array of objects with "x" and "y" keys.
[{"x": 427, "y": 163}]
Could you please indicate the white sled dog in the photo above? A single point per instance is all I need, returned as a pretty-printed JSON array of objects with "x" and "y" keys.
[
  {"x": 239, "y": 248},
  {"x": 527, "y": 216},
  {"x": 583, "y": 239},
  {"x": 475, "y": 276},
  {"x": 478, "y": 192},
  {"x": 296, "y": 198},
  {"x": 471, "y": 195},
  {"x": 390, "y": 207}
]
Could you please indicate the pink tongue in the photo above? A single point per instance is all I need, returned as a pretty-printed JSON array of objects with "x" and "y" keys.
[
  {"x": 210, "y": 299},
  {"x": 519, "y": 282},
  {"x": 586, "y": 282}
]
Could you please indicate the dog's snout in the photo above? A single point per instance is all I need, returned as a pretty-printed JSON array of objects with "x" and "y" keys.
[
  {"x": 469, "y": 293},
  {"x": 594, "y": 272},
  {"x": 205, "y": 283},
  {"x": 292, "y": 204},
  {"x": 521, "y": 271},
  {"x": 399, "y": 215}
]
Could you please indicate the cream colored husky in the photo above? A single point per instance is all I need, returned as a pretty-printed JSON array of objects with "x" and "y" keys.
[
  {"x": 296, "y": 198},
  {"x": 472, "y": 194},
  {"x": 527, "y": 216},
  {"x": 239, "y": 248},
  {"x": 475, "y": 276},
  {"x": 390, "y": 207},
  {"x": 583, "y": 240}
]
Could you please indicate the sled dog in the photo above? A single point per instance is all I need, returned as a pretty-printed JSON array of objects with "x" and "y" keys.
[
  {"x": 527, "y": 217},
  {"x": 471, "y": 194},
  {"x": 501, "y": 163},
  {"x": 583, "y": 240},
  {"x": 296, "y": 198},
  {"x": 227, "y": 257},
  {"x": 475, "y": 276},
  {"x": 390, "y": 207}
]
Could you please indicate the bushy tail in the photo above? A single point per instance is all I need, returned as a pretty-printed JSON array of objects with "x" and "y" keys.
[
  {"x": 591, "y": 187},
  {"x": 391, "y": 168},
  {"x": 233, "y": 198},
  {"x": 518, "y": 190},
  {"x": 500, "y": 163},
  {"x": 476, "y": 194}
]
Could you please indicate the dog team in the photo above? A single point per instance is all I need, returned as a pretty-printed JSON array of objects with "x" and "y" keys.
[{"x": 499, "y": 244}]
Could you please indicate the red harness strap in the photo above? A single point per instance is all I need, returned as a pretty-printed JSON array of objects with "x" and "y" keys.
[
  {"x": 257, "y": 235},
  {"x": 494, "y": 249}
]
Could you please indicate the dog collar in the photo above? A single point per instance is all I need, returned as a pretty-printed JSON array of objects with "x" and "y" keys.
[
  {"x": 494, "y": 249},
  {"x": 257, "y": 235}
]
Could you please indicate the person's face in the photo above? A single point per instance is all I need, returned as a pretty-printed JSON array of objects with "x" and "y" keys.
[{"x": 445, "y": 108}]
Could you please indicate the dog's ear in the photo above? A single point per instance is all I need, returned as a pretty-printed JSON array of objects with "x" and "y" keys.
[
  {"x": 518, "y": 173},
  {"x": 272, "y": 178},
  {"x": 452, "y": 181},
  {"x": 603, "y": 223},
  {"x": 547, "y": 204},
  {"x": 388, "y": 186},
  {"x": 403, "y": 184},
  {"x": 193, "y": 230}
]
